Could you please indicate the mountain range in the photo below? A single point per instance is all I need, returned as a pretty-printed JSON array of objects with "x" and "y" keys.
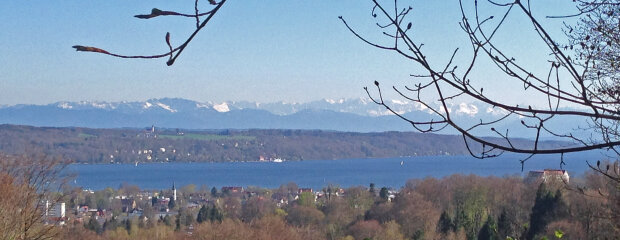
[{"x": 353, "y": 115}]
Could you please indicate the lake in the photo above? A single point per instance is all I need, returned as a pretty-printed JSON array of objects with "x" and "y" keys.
[{"x": 317, "y": 173}]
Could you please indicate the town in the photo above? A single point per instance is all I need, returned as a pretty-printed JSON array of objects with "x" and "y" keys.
[{"x": 453, "y": 207}]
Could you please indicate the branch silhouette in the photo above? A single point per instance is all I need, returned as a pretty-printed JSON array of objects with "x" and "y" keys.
[
  {"x": 174, "y": 53},
  {"x": 572, "y": 77}
]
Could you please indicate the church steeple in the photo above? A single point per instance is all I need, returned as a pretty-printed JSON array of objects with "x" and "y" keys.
[{"x": 174, "y": 192}]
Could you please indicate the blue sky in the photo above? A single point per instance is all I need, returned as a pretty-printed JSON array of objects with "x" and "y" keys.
[{"x": 277, "y": 50}]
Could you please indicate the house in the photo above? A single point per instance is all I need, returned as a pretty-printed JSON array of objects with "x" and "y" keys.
[
  {"x": 281, "y": 199},
  {"x": 55, "y": 213},
  {"x": 82, "y": 209},
  {"x": 192, "y": 205},
  {"x": 548, "y": 175},
  {"x": 232, "y": 189},
  {"x": 163, "y": 214}
]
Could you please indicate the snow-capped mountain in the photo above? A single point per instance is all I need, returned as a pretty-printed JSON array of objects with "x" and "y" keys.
[
  {"x": 361, "y": 106},
  {"x": 360, "y": 115}
]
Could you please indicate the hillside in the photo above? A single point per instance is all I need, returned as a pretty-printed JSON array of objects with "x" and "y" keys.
[{"x": 85, "y": 145}]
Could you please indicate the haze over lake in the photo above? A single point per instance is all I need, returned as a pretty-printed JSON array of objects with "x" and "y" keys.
[{"x": 317, "y": 173}]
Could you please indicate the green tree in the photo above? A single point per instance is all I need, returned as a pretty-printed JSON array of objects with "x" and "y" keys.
[
  {"x": 90, "y": 201},
  {"x": 128, "y": 225},
  {"x": 383, "y": 193},
  {"x": 306, "y": 199},
  {"x": 445, "y": 223},
  {"x": 507, "y": 224},
  {"x": 172, "y": 203},
  {"x": 256, "y": 208},
  {"x": 303, "y": 216},
  {"x": 549, "y": 206},
  {"x": 214, "y": 192},
  {"x": 215, "y": 214},
  {"x": 489, "y": 230},
  {"x": 202, "y": 214},
  {"x": 110, "y": 225},
  {"x": 93, "y": 225},
  {"x": 371, "y": 188},
  {"x": 167, "y": 221},
  {"x": 177, "y": 223},
  {"x": 471, "y": 210},
  {"x": 419, "y": 234}
]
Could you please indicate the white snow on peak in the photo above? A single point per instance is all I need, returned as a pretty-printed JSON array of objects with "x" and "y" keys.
[
  {"x": 147, "y": 105},
  {"x": 399, "y": 102},
  {"x": 364, "y": 100},
  {"x": 419, "y": 106},
  {"x": 202, "y": 105},
  {"x": 102, "y": 105},
  {"x": 468, "y": 109},
  {"x": 65, "y": 105},
  {"x": 332, "y": 101},
  {"x": 443, "y": 110},
  {"x": 223, "y": 107},
  {"x": 376, "y": 113},
  {"x": 98, "y": 105},
  {"x": 496, "y": 111},
  {"x": 166, "y": 107}
]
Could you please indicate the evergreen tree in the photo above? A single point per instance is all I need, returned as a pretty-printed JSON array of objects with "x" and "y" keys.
[
  {"x": 445, "y": 224},
  {"x": 167, "y": 220},
  {"x": 172, "y": 203},
  {"x": 372, "y": 189},
  {"x": 215, "y": 214},
  {"x": 128, "y": 226},
  {"x": 488, "y": 230},
  {"x": 507, "y": 224},
  {"x": 177, "y": 222},
  {"x": 214, "y": 192},
  {"x": 93, "y": 225},
  {"x": 419, "y": 234},
  {"x": 471, "y": 211},
  {"x": 548, "y": 207},
  {"x": 202, "y": 214},
  {"x": 383, "y": 193},
  {"x": 110, "y": 225},
  {"x": 105, "y": 225}
]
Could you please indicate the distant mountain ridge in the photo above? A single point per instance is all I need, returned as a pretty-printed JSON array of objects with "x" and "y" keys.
[{"x": 355, "y": 115}]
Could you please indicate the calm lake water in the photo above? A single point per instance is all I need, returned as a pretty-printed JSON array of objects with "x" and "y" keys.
[{"x": 317, "y": 173}]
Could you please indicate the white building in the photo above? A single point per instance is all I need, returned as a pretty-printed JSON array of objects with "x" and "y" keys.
[
  {"x": 174, "y": 192},
  {"x": 55, "y": 214},
  {"x": 548, "y": 175}
]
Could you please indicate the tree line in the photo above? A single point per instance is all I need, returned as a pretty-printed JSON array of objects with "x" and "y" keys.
[
  {"x": 84, "y": 145},
  {"x": 454, "y": 207}
]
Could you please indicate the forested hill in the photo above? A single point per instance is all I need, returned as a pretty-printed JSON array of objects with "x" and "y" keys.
[{"x": 86, "y": 145}]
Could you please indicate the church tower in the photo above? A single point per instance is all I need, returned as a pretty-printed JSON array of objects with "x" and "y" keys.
[{"x": 174, "y": 192}]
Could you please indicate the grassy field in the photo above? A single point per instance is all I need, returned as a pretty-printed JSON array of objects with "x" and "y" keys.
[
  {"x": 207, "y": 137},
  {"x": 86, "y": 135}
]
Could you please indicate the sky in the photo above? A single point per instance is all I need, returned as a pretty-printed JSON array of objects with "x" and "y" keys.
[{"x": 265, "y": 51}]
